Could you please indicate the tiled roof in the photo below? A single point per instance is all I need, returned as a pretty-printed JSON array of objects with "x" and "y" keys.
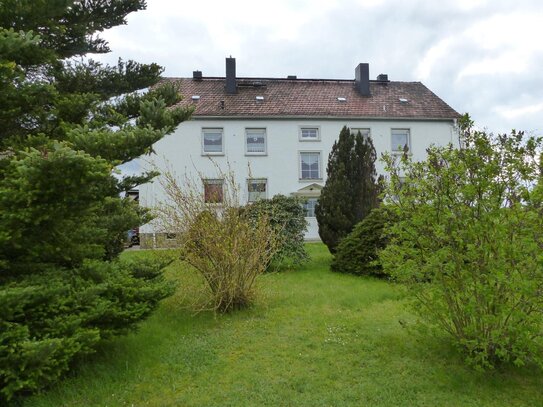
[{"x": 312, "y": 98}]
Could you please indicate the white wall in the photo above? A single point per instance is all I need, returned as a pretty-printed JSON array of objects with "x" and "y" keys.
[{"x": 183, "y": 151}]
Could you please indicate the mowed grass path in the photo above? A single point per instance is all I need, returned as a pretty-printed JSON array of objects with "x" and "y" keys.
[{"x": 314, "y": 339}]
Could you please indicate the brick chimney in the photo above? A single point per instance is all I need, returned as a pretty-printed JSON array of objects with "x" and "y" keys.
[
  {"x": 362, "y": 79},
  {"x": 231, "y": 87},
  {"x": 197, "y": 75}
]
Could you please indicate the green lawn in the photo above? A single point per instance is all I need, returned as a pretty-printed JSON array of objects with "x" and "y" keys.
[{"x": 314, "y": 339}]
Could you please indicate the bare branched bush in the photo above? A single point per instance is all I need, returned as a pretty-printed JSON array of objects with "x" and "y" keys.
[{"x": 214, "y": 236}]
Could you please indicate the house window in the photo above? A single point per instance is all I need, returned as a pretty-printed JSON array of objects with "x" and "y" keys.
[
  {"x": 213, "y": 190},
  {"x": 309, "y": 134},
  {"x": 364, "y": 131},
  {"x": 310, "y": 165},
  {"x": 400, "y": 139},
  {"x": 255, "y": 140},
  {"x": 309, "y": 207},
  {"x": 256, "y": 189},
  {"x": 212, "y": 141}
]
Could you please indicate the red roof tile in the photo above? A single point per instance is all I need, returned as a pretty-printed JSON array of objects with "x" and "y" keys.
[{"x": 312, "y": 98}]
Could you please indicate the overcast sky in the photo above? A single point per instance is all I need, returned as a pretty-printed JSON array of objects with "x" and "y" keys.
[{"x": 482, "y": 57}]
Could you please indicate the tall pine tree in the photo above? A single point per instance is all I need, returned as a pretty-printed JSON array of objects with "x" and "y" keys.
[
  {"x": 66, "y": 123},
  {"x": 351, "y": 190}
]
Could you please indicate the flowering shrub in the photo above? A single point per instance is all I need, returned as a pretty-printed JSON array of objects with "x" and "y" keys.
[{"x": 470, "y": 224}]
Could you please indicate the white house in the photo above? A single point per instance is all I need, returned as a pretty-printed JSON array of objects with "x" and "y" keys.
[{"x": 275, "y": 134}]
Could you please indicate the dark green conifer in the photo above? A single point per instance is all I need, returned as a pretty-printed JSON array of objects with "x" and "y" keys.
[
  {"x": 66, "y": 122},
  {"x": 351, "y": 190}
]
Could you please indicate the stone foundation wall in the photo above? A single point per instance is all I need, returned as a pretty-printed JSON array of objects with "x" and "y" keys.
[
  {"x": 163, "y": 241},
  {"x": 157, "y": 241}
]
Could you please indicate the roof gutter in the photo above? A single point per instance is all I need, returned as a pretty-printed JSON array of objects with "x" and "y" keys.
[{"x": 433, "y": 119}]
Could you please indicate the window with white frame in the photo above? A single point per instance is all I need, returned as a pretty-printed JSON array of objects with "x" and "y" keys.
[
  {"x": 309, "y": 207},
  {"x": 212, "y": 141},
  {"x": 256, "y": 189},
  {"x": 400, "y": 140},
  {"x": 213, "y": 190},
  {"x": 310, "y": 166},
  {"x": 365, "y": 132},
  {"x": 309, "y": 134},
  {"x": 255, "y": 141}
]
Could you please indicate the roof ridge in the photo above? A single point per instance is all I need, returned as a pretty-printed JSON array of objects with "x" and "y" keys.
[{"x": 222, "y": 78}]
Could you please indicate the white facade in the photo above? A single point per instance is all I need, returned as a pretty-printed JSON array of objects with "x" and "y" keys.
[{"x": 284, "y": 143}]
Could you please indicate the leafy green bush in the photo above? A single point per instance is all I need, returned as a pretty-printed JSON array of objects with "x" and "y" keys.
[
  {"x": 470, "y": 224},
  {"x": 51, "y": 318},
  {"x": 357, "y": 253},
  {"x": 286, "y": 217}
]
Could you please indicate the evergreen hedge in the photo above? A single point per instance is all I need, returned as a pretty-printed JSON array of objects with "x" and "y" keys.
[
  {"x": 287, "y": 218},
  {"x": 50, "y": 319},
  {"x": 358, "y": 252},
  {"x": 351, "y": 190}
]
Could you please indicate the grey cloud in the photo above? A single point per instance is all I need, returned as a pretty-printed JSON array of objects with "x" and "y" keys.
[{"x": 393, "y": 37}]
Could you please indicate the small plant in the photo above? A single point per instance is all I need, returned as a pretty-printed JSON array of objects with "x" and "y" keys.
[
  {"x": 216, "y": 237},
  {"x": 358, "y": 252},
  {"x": 470, "y": 224}
]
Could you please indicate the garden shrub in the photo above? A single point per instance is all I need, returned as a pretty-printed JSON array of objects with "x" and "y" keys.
[
  {"x": 357, "y": 253},
  {"x": 286, "y": 217},
  {"x": 470, "y": 223},
  {"x": 50, "y": 319},
  {"x": 227, "y": 248}
]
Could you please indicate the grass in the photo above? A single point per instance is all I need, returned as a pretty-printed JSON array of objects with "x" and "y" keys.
[{"x": 314, "y": 339}]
